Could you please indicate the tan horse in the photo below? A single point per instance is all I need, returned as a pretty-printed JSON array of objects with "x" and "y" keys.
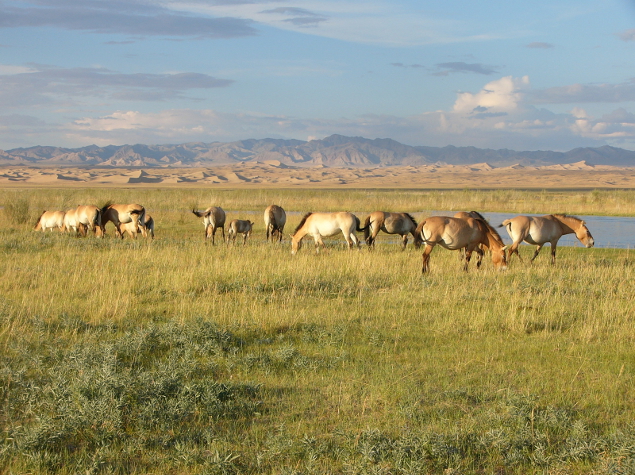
[
  {"x": 70, "y": 221},
  {"x": 133, "y": 228},
  {"x": 213, "y": 219},
  {"x": 50, "y": 220},
  {"x": 459, "y": 233},
  {"x": 275, "y": 219},
  {"x": 475, "y": 215},
  {"x": 239, "y": 226},
  {"x": 320, "y": 225},
  {"x": 545, "y": 229},
  {"x": 391, "y": 223},
  {"x": 120, "y": 214},
  {"x": 88, "y": 219}
]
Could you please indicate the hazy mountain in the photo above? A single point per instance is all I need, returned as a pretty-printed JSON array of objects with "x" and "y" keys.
[{"x": 333, "y": 151}]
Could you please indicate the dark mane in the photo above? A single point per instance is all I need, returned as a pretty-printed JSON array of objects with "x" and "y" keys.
[
  {"x": 494, "y": 233},
  {"x": 478, "y": 215},
  {"x": 411, "y": 219},
  {"x": 304, "y": 218}
]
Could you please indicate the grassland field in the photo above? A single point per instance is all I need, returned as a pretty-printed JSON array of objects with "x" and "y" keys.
[{"x": 179, "y": 357}]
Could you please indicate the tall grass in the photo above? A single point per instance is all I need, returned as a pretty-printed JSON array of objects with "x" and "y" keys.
[{"x": 181, "y": 357}]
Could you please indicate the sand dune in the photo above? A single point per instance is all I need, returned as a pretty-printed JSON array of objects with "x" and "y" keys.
[{"x": 272, "y": 173}]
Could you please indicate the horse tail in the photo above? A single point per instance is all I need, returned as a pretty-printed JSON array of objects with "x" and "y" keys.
[
  {"x": 273, "y": 224},
  {"x": 357, "y": 225},
  {"x": 367, "y": 228},
  {"x": 507, "y": 223}
]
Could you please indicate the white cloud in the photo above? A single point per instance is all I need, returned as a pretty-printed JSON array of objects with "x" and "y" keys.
[{"x": 502, "y": 95}]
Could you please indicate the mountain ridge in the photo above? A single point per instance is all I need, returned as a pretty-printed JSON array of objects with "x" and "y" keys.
[{"x": 335, "y": 151}]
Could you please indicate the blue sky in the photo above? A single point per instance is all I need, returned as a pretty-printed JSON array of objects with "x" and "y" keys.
[{"x": 521, "y": 75}]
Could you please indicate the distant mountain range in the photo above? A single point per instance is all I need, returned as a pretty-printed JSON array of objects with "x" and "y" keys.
[{"x": 334, "y": 151}]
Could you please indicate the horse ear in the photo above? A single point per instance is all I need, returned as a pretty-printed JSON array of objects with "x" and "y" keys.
[{"x": 505, "y": 248}]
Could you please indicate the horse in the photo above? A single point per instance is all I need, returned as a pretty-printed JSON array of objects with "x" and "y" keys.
[
  {"x": 70, "y": 221},
  {"x": 321, "y": 225},
  {"x": 239, "y": 226},
  {"x": 391, "y": 223},
  {"x": 50, "y": 220},
  {"x": 133, "y": 228},
  {"x": 545, "y": 229},
  {"x": 213, "y": 219},
  {"x": 88, "y": 219},
  {"x": 458, "y": 233},
  {"x": 275, "y": 219},
  {"x": 120, "y": 214},
  {"x": 465, "y": 215}
]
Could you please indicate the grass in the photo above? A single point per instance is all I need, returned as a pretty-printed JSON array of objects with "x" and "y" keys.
[{"x": 181, "y": 357}]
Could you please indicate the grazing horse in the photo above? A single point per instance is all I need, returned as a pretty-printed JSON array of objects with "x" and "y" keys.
[
  {"x": 50, "y": 220},
  {"x": 239, "y": 226},
  {"x": 391, "y": 223},
  {"x": 543, "y": 229},
  {"x": 70, "y": 221},
  {"x": 88, "y": 219},
  {"x": 213, "y": 219},
  {"x": 475, "y": 215},
  {"x": 133, "y": 228},
  {"x": 275, "y": 219},
  {"x": 120, "y": 214},
  {"x": 321, "y": 225},
  {"x": 459, "y": 233}
]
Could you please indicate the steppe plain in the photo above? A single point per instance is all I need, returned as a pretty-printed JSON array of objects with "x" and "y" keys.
[{"x": 176, "y": 356}]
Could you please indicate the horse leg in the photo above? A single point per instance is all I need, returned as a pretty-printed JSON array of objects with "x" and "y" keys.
[
  {"x": 354, "y": 240},
  {"x": 468, "y": 256},
  {"x": 553, "y": 253},
  {"x": 318, "y": 242},
  {"x": 538, "y": 248},
  {"x": 404, "y": 242},
  {"x": 514, "y": 250},
  {"x": 426, "y": 258},
  {"x": 479, "y": 260}
]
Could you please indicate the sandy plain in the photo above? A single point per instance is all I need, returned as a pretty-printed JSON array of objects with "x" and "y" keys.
[{"x": 274, "y": 174}]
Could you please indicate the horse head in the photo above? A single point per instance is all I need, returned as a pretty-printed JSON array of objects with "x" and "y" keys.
[
  {"x": 296, "y": 244},
  {"x": 584, "y": 236}
]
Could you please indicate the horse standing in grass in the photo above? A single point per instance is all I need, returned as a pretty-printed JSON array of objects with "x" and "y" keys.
[
  {"x": 458, "y": 233},
  {"x": 213, "y": 219},
  {"x": 70, "y": 221},
  {"x": 320, "y": 225},
  {"x": 88, "y": 219},
  {"x": 275, "y": 219},
  {"x": 120, "y": 214},
  {"x": 50, "y": 220},
  {"x": 239, "y": 226},
  {"x": 391, "y": 223},
  {"x": 545, "y": 229}
]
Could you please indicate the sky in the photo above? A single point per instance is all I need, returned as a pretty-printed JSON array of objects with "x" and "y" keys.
[{"x": 540, "y": 75}]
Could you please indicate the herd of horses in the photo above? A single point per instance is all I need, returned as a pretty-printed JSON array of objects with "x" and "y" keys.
[{"x": 467, "y": 232}]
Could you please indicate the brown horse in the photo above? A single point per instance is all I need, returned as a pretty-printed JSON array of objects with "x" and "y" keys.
[
  {"x": 275, "y": 219},
  {"x": 475, "y": 215},
  {"x": 120, "y": 214},
  {"x": 50, "y": 220},
  {"x": 320, "y": 225},
  {"x": 391, "y": 223},
  {"x": 213, "y": 219},
  {"x": 458, "y": 233},
  {"x": 545, "y": 229},
  {"x": 239, "y": 226}
]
